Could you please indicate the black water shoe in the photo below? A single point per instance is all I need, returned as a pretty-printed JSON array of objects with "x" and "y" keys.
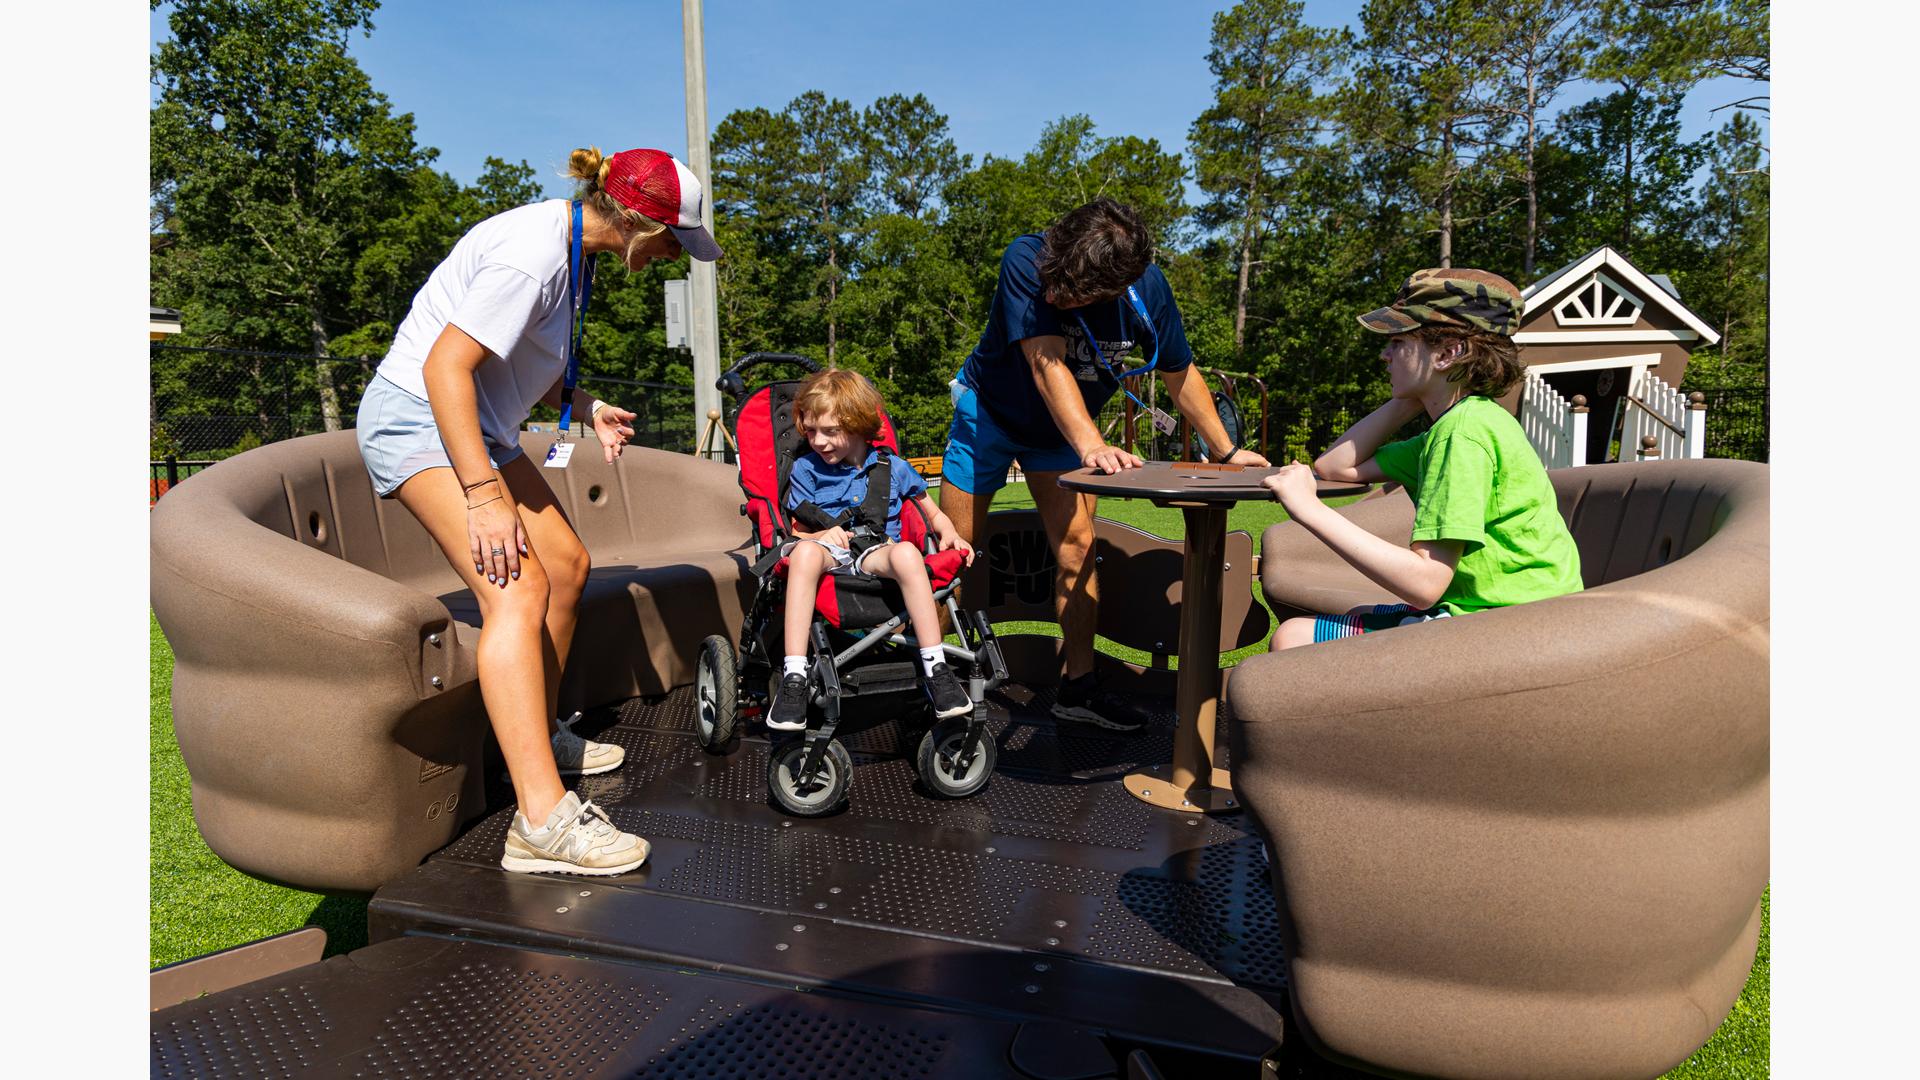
[{"x": 1082, "y": 699}]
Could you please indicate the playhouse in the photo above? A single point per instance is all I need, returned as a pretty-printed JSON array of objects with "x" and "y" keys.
[{"x": 1601, "y": 329}]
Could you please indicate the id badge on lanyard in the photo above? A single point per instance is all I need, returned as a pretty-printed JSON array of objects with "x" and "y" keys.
[
  {"x": 579, "y": 294},
  {"x": 1162, "y": 421}
]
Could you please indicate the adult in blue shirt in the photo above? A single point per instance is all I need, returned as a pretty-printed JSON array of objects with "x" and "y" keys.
[{"x": 1070, "y": 306}]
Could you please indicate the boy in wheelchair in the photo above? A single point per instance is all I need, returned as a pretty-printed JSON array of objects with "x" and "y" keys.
[{"x": 842, "y": 527}]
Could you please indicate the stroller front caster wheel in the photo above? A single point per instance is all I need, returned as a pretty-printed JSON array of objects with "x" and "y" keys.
[
  {"x": 809, "y": 795},
  {"x": 716, "y": 689},
  {"x": 948, "y": 767}
]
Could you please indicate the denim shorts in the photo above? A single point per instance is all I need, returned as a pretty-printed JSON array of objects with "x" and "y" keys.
[
  {"x": 843, "y": 560},
  {"x": 979, "y": 453},
  {"x": 398, "y": 437}
]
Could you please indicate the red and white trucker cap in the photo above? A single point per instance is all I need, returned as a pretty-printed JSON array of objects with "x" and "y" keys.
[{"x": 656, "y": 184}]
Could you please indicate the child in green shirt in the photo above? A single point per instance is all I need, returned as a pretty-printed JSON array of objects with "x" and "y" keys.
[{"x": 1487, "y": 530}]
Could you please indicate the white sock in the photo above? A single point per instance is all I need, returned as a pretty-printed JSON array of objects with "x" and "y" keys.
[
  {"x": 930, "y": 657},
  {"x": 794, "y": 665}
]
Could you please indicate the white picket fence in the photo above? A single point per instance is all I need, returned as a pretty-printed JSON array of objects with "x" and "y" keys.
[
  {"x": 1557, "y": 433},
  {"x": 1661, "y": 422},
  {"x": 1657, "y": 421}
]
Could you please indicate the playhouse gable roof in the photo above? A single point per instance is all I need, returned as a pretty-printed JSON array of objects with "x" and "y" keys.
[{"x": 1651, "y": 289}]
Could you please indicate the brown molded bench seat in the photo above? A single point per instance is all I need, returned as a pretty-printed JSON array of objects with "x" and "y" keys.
[
  {"x": 324, "y": 691},
  {"x": 1529, "y": 842}
]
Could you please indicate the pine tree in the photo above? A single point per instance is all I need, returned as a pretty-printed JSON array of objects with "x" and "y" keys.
[
  {"x": 1421, "y": 97},
  {"x": 1266, "y": 118},
  {"x": 912, "y": 156},
  {"x": 1544, "y": 50}
]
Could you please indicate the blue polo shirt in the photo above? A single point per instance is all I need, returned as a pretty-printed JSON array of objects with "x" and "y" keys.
[
  {"x": 998, "y": 369},
  {"x": 834, "y": 488}
]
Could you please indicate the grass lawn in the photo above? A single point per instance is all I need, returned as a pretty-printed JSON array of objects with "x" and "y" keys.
[{"x": 200, "y": 904}]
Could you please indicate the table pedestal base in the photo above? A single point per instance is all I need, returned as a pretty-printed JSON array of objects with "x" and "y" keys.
[{"x": 1155, "y": 785}]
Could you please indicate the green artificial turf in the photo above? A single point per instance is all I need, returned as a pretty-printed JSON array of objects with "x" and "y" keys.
[
  {"x": 1740, "y": 1049},
  {"x": 200, "y": 904}
]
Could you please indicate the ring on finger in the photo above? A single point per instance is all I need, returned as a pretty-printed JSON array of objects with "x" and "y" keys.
[{"x": 499, "y": 551}]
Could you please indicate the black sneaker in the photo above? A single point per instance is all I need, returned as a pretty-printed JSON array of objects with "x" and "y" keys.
[
  {"x": 949, "y": 697},
  {"x": 789, "y": 712},
  {"x": 1081, "y": 699}
]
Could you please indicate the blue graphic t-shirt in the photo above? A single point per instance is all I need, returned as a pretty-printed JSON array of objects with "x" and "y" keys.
[
  {"x": 998, "y": 369},
  {"x": 834, "y": 488}
]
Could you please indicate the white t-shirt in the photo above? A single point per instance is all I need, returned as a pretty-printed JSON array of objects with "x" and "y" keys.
[{"x": 504, "y": 284}]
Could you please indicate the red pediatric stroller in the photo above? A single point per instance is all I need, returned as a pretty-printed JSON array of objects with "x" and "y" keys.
[{"x": 856, "y": 645}]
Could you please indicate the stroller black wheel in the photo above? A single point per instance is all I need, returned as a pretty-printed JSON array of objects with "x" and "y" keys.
[
  {"x": 947, "y": 768},
  {"x": 826, "y": 791},
  {"x": 716, "y": 688}
]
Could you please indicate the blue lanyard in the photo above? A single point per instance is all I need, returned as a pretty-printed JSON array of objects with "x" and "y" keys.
[
  {"x": 1153, "y": 359},
  {"x": 579, "y": 294}
]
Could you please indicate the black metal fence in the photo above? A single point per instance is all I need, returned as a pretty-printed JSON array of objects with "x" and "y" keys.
[
  {"x": 211, "y": 403},
  {"x": 1737, "y": 421},
  {"x": 167, "y": 472},
  {"x": 207, "y": 404},
  {"x": 663, "y": 411}
]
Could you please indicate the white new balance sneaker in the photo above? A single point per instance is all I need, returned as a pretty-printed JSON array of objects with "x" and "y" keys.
[{"x": 578, "y": 838}]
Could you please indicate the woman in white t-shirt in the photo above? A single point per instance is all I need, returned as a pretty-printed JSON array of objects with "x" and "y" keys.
[{"x": 488, "y": 336}]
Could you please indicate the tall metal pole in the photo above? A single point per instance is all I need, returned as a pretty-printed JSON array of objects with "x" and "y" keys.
[{"x": 703, "y": 315}]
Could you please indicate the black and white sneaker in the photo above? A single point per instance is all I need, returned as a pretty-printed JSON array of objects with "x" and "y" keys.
[
  {"x": 789, "y": 712},
  {"x": 1082, "y": 699},
  {"x": 949, "y": 697}
]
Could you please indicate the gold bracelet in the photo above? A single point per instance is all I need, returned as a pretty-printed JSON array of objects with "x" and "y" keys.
[
  {"x": 478, "y": 505},
  {"x": 467, "y": 488}
]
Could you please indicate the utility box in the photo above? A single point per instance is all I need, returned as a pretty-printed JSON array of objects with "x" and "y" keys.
[{"x": 677, "y": 314}]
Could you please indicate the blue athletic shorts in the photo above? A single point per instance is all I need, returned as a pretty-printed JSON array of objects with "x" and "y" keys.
[
  {"x": 979, "y": 453},
  {"x": 398, "y": 437}
]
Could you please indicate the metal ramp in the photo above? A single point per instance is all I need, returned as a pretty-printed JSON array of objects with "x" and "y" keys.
[{"x": 420, "y": 1007}]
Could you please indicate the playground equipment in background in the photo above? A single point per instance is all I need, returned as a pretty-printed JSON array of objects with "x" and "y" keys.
[{"x": 1126, "y": 430}]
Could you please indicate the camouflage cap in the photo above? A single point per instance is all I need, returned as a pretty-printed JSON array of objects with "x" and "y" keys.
[{"x": 1470, "y": 299}]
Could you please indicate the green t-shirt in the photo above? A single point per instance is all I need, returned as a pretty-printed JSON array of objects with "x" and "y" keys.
[{"x": 1473, "y": 477}]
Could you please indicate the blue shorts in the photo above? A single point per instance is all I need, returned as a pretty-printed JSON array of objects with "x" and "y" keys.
[
  {"x": 979, "y": 453},
  {"x": 398, "y": 437}
]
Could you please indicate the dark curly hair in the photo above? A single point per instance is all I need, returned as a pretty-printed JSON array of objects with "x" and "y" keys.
[
  {"x": 1489, "y": 363},
  {"x": 1095, "y": 251}
]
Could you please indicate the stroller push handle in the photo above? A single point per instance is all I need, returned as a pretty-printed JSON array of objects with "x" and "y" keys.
[{"x": 733, "y": 383}]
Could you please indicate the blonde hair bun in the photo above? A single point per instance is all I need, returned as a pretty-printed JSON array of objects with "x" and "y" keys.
[{"x": 588, "y": 164}]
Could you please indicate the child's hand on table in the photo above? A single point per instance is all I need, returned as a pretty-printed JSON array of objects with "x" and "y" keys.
[{"x": 1294, "y": 485}]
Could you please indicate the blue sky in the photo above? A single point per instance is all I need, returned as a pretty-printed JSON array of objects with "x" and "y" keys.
[{"x": 531, "y": 81}]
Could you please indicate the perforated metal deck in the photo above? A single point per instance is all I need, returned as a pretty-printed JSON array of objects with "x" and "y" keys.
[
  {"x": 425, "y": 1007},
  {"x": 1052, "y": 895}
]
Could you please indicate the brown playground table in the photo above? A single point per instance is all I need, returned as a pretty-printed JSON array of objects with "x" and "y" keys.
[{"x": 1203, "y": 492}]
